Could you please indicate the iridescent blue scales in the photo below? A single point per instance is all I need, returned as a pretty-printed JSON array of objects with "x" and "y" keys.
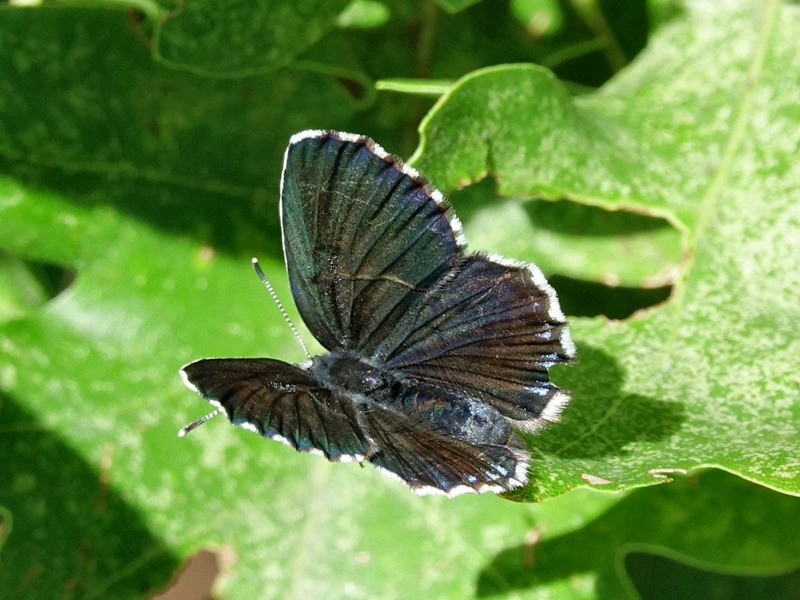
[{"x": 435, "y": 355}]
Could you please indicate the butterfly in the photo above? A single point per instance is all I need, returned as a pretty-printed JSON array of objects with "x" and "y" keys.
[{"x": 435, "y": 355}]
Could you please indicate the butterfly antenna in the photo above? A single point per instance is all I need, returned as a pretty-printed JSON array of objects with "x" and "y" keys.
[
  {"x": 272, "y": 293},
  {"x": 198, "y": 422}
]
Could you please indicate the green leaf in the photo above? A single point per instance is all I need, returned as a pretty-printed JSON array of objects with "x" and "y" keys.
[
  {"x": 243, "y": 37},
  {"x": 541, "y": 17},
  {"x": 192, "y": 155},
  {"x": 566, "y": 238},
  {"x": 710, "y": 377},
  {"x": 711, "y": 521},
  {"x": 454, "y": 6},
  {"x": 363, "y": 14},
  {"x": 156, "y": 186}
]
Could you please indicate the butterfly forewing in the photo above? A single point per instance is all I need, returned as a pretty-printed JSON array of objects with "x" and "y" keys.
[{"x": 363, "y": 237}]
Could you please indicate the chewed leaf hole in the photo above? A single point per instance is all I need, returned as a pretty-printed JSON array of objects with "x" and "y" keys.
[
  {"x": 27, "y": 285},
  {"x": 195, "y": 581},
  {"x": 658, "y": 578},
  {"x": 587, "y": 299}
]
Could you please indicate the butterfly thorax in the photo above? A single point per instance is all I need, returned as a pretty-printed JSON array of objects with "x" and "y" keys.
[{"x": 342, "y": 371}]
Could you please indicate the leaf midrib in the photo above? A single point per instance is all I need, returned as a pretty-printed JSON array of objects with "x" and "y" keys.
[{"x": 708, "y": 202}]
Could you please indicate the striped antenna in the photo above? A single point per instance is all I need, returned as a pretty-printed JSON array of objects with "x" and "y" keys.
[
  {"x": 272, "y": 293},
  {"x": 198, "y": 422}
]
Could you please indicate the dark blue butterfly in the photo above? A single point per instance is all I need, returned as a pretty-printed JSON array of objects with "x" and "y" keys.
[{"x": 435, "y": 354}]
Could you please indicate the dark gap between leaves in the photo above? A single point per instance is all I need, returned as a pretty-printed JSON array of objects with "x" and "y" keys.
[
  {"x": 353, "y": 87},
  {"x": 30, "y": 284},
  {"x": 195, "y": 580},
  {"x": 578, "y": 225},
  {"x": 589, "y": 299},
  {"x": 657, "y": 577}
]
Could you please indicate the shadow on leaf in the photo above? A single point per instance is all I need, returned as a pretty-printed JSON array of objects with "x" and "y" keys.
[
  {"x": 187, "y": 155},
  {"x": 657, "y": 577},
  {"x": 601, "y": 419},
  {"x": 712, "y": 519},
  {"x": 66, "y": 533}
]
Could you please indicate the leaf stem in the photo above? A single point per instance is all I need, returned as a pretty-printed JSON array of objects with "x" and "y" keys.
[{"x": 592, "y": 15}]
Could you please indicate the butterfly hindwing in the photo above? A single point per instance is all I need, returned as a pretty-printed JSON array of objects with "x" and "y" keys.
[
  {"x": 498, "y": 329},
  {"x": 435, "y": 442}
]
